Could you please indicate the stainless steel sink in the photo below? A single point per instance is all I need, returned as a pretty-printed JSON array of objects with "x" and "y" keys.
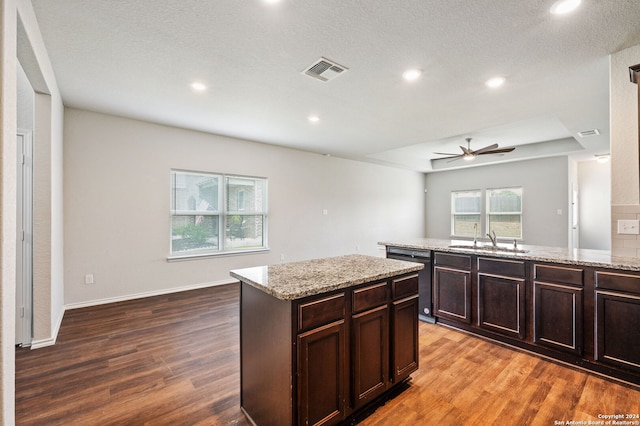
[{"x": 485, "y": 247}]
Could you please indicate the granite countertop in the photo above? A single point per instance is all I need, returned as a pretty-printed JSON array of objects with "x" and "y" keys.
[
  {"x": 289, "y": 281},
  {"x": 583, "y": 257}
]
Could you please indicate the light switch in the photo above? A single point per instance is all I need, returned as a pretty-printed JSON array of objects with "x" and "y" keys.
[{"x": 629, "y": 227}]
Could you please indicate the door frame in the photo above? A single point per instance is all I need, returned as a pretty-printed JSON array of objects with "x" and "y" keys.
[{"x": 24, "y": 240}]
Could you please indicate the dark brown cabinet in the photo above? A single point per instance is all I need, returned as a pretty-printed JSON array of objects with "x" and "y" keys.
[
  {"x": 320, "y": 359},
  {"x": 617, "y": 301},
  {"x": 405, "y": 339},
  {"x": 370, "y": 351},
  {"x": 385, "y": 337},
  {"x": 322, "y": 374},
  {"x": 502, "y": 297},
  {"x": 557, "y": 307},
  {"x": 580, "y": 314},
  {"x": 404, "y": 311},
  {"x": 452, "y": 287}
]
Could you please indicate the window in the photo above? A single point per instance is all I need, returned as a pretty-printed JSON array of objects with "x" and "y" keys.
[
  {"x": 215, "y": 213},
  {"x": 504, "y": 212},
  {"x": 241, "y": 200},
  {"x": 465, "y": 213}
]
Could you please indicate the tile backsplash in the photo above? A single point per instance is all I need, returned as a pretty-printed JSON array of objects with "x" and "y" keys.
[{"x": 624, "y": 244}]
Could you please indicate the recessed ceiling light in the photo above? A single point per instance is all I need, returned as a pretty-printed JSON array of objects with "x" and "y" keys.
[
  {"x": 200, "y": 87},
  {"x": 495, "y": 82},
  {"x": 313, "y": 118},
  {"x": 412, "y": 74},
  {"x": 564, "y": 6},
  {"x": 271, "y": 1}
]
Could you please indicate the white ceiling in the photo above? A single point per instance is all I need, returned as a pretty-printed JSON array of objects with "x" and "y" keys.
[{"x": 137, "y": 58}]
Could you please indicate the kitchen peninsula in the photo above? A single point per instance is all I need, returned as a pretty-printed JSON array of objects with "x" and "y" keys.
[
  {"x": 321, "y": 340},
  {"x": 578, "y": 306}
]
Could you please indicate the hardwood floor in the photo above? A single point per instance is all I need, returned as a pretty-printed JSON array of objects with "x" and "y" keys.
[{"x": 174, "y": 360}]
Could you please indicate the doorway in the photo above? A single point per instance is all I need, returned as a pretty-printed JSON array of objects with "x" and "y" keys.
[{"x": 24, "y": 240}]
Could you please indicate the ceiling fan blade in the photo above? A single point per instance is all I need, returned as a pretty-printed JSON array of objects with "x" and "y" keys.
[
  {"x": 467, "y": 151},
  {"x": 450, "y": 156},
  {"x": 469, "y": 154},
  {"x": 487, "y": 148},
  {"x": 498, "y": 151}
]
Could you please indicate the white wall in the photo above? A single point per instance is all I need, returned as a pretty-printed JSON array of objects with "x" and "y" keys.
[
  {"x": 594, "y": 180},
  {"x": 8, "y": 119},
  {"x": 625, "y": 185},
  {"x": 574, "y": 234},
  {"x": 25, "y": 101},
  {"x": 544, "y": 183},
  {"x": 625, "y": 174},
  {"x": 48, "y": 288},
  {"x": 48, "y": 279},
  {"x": 117, "y": 204}
]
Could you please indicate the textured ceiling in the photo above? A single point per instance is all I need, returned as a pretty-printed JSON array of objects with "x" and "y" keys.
[{"x": 137, "y": 58}]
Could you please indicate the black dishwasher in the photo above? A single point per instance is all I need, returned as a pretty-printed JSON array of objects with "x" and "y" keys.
[{"x": 424, "y": 278}]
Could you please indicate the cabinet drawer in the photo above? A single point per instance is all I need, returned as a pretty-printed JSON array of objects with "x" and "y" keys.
[
  {"x": 511, "y": 268},
  {"x": 558, "y": 274},
  {"x": 321, "y": 311},
  {"x": 458, "y": 261},
  {"x": 618, "y": 281},
  {"x": 404, "y": 287},
  {"x": 369, "y": 297}
]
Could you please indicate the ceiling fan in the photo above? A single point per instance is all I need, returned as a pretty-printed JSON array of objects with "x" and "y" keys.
[{"x": 469, "y": 154}]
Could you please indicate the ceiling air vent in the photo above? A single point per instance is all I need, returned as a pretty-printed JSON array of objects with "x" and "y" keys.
[
  {"x": 586, "y": 133},
  {"x": 324, "y": 70}
]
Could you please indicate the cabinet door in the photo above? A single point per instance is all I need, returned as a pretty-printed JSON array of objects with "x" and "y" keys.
[
  {"x": 618, "y": 329},
  {"x": 370, "y": 354},
  {"x": 405, "y": 350},
  {"x": 321, "y": 375},
  {"x": 501, "y": 305},
  {"x": 452, "y": 294},
  {"x": 558, "y": 316}
]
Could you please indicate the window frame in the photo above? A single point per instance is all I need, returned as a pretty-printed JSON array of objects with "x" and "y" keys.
[
  {"x": 489, "y": 213},
  {"x": 223, "y": 213},
  {"x": 240, "y": 201},
  {"x": 454, "y": 213}
]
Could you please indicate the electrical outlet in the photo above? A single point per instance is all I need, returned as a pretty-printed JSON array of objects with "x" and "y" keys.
[
  {"x": 88, "y": 279},
  {"x": 629, "y": 227},
  {"x": 282, "y": 257}
]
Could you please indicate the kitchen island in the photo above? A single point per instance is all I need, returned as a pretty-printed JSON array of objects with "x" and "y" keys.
[
  {"x": 578, "y": 306},
  {"x": 322, "y": 340}
]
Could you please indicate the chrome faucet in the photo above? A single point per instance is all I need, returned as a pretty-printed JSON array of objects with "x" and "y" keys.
[
  {"x": 494, "y": 239},
  {"x": 475, "y": 234}
]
